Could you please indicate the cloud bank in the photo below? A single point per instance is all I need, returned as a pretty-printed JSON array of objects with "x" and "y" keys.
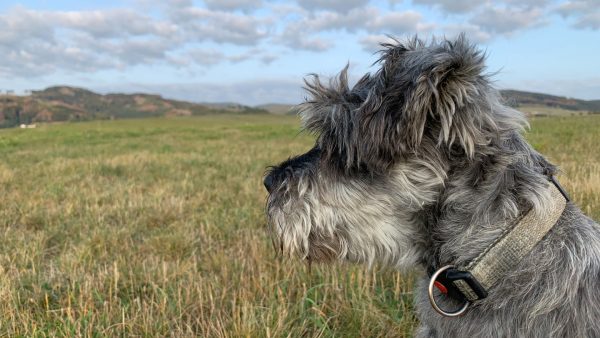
[{"x": 197, "y": 35}]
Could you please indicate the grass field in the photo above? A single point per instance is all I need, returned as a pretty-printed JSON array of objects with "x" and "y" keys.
[
  {"x": 550, "y": 111},
  {"x": 156, "y": 228}
]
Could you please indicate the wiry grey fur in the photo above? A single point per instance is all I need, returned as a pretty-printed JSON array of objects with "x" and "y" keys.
[{"x": 421, "y": 164}]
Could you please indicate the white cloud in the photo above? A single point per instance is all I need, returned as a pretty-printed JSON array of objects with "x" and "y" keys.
[
  {"x": 350, "y": 21},
  {"x": 372, "y": 43},
  {"x": 201, "y": 24},
  {"x": 206, "y": 56},
  {"x": 198, "y": 34},
  {"x": 164, "y": 3},
  {"x": 369, "y": 18},
  {"x": 21, "y": 24},
  {"x": 472, "y": 6},
  {"x": 268, "y": 59},
  {"x": 41, "y": 42},
  {"x": 498, "y": 20},
  {"x": 527, "y": 3},
  {"x": 489, "y": 18},
  {"x": 585, "y": 12},
  {"x": 303, "y": 33},
  {"x": 591, "y": 20},
  {"x": 297, "y": 36},
  {"x": 121, "y": 37},
  {"x": 452, "y": 6},
  {"x": 230, "y": 5},
  {"x": 340, "y": 6},
  {"x": 473, "y": 32},
  {"x": 36, "y": 42},
  {"x": 398, "y": 23},
  {"x": 253, "y": 53},
  {"x": 33, "y": 59},
  {"x": 109, "y": 23}
]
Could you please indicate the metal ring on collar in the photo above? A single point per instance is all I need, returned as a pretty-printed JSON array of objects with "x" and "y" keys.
[{"x": 432, "y": 299}]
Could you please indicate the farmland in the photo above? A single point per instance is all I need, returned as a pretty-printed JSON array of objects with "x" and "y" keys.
[{"x": 156, "y": 227}]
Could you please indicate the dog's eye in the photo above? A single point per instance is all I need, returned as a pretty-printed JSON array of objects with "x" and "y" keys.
[
  {"x": 355, "y": 99},
  {"x": 289, "y": 172}
]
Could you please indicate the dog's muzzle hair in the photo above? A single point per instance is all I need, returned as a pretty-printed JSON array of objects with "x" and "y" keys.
[
  {"x": 292, "y": 202},
  {"x": 321, "y": 214},
  {"x": 421, "y": 164}
]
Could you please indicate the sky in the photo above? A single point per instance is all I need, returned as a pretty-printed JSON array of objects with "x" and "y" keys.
[{"x": 258, "y": 51}]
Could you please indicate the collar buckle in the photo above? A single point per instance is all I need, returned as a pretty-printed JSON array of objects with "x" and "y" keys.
[
  {"x": 440, "y": 276},
  {"x": 468, "y": 285}
]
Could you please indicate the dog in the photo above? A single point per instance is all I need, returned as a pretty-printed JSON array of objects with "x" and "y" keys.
[{"x": 422, "y": 166}]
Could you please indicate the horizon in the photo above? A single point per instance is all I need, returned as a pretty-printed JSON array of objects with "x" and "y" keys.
[
  {"x": 255, "y": 52},
  {"x": 28, "y": 93}
]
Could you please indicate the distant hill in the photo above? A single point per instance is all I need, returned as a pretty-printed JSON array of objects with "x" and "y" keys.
[
  {"x": 278, "y": 108},
  {"x": 229, "y": 106},
  {"x": 518, "y": 99},
  {"x": 64, "y": 103},
  {"x": 526, "y": 101}
]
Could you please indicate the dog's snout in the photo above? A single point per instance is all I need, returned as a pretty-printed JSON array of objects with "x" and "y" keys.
[
  {"x": 268, "y": 182},
  {"x": 290, "y": 169}
]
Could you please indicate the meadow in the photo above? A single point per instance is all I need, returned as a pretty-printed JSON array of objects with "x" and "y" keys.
[{"x": 156, "y": 228}]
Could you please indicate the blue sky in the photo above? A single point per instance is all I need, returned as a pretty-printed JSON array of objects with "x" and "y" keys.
[{"x": 258, "y": 51}]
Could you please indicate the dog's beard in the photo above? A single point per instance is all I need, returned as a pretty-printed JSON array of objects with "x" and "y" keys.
[
  {"x": 297, "y": 226},
  {"x": 362, "y": 221}
]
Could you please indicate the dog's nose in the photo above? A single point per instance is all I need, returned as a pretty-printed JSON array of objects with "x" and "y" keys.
[{"x": 268, "y": 182}]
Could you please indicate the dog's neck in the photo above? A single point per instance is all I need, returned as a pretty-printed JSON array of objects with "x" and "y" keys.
[{"x": 505, "y": 180}]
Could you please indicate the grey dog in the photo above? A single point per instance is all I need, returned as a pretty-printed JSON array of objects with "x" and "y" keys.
[{"x": 420, "y": 165}]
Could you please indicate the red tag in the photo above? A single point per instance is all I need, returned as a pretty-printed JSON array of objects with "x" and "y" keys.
[{"x": 440, "y": 287}]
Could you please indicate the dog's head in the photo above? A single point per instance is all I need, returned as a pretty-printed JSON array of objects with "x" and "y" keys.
[{"x": 382, "y": 153}]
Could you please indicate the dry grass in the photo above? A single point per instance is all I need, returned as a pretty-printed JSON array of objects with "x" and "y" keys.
[{"x": 156, "y": 228}]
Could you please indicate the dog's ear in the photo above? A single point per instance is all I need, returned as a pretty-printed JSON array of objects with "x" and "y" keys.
[
  {"x": 438, "y": 89},
  {"x": 327, "y": 104},
  {"x": 331, "y": 113}
]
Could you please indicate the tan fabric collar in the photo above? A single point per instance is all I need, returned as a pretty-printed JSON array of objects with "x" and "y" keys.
[{"x": 499, "y": 258}]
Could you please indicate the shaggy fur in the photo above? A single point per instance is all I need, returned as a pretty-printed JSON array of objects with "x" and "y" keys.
[{"x": 421, "y": 164}]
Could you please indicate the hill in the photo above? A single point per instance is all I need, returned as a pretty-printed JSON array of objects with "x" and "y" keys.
[
  {"x": 518, "y": 99},
  {"x": 528, "y": 102},
  {"x": 62, "y": 103},
  {"x": 278, "y": 108}
]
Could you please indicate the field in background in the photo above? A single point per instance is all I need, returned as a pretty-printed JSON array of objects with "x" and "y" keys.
[
  {"x": 155, "y": 227},
  {"x": 543, "y": 111}
]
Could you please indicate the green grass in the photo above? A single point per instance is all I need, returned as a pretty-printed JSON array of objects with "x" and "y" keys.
[{"x": 155, "y": 227}]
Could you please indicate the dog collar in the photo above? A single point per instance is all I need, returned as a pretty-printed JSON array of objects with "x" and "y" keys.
[{"x": 472, "y": 282}]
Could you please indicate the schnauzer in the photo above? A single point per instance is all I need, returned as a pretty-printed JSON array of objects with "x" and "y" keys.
[{"x": 420, "y": 165}]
